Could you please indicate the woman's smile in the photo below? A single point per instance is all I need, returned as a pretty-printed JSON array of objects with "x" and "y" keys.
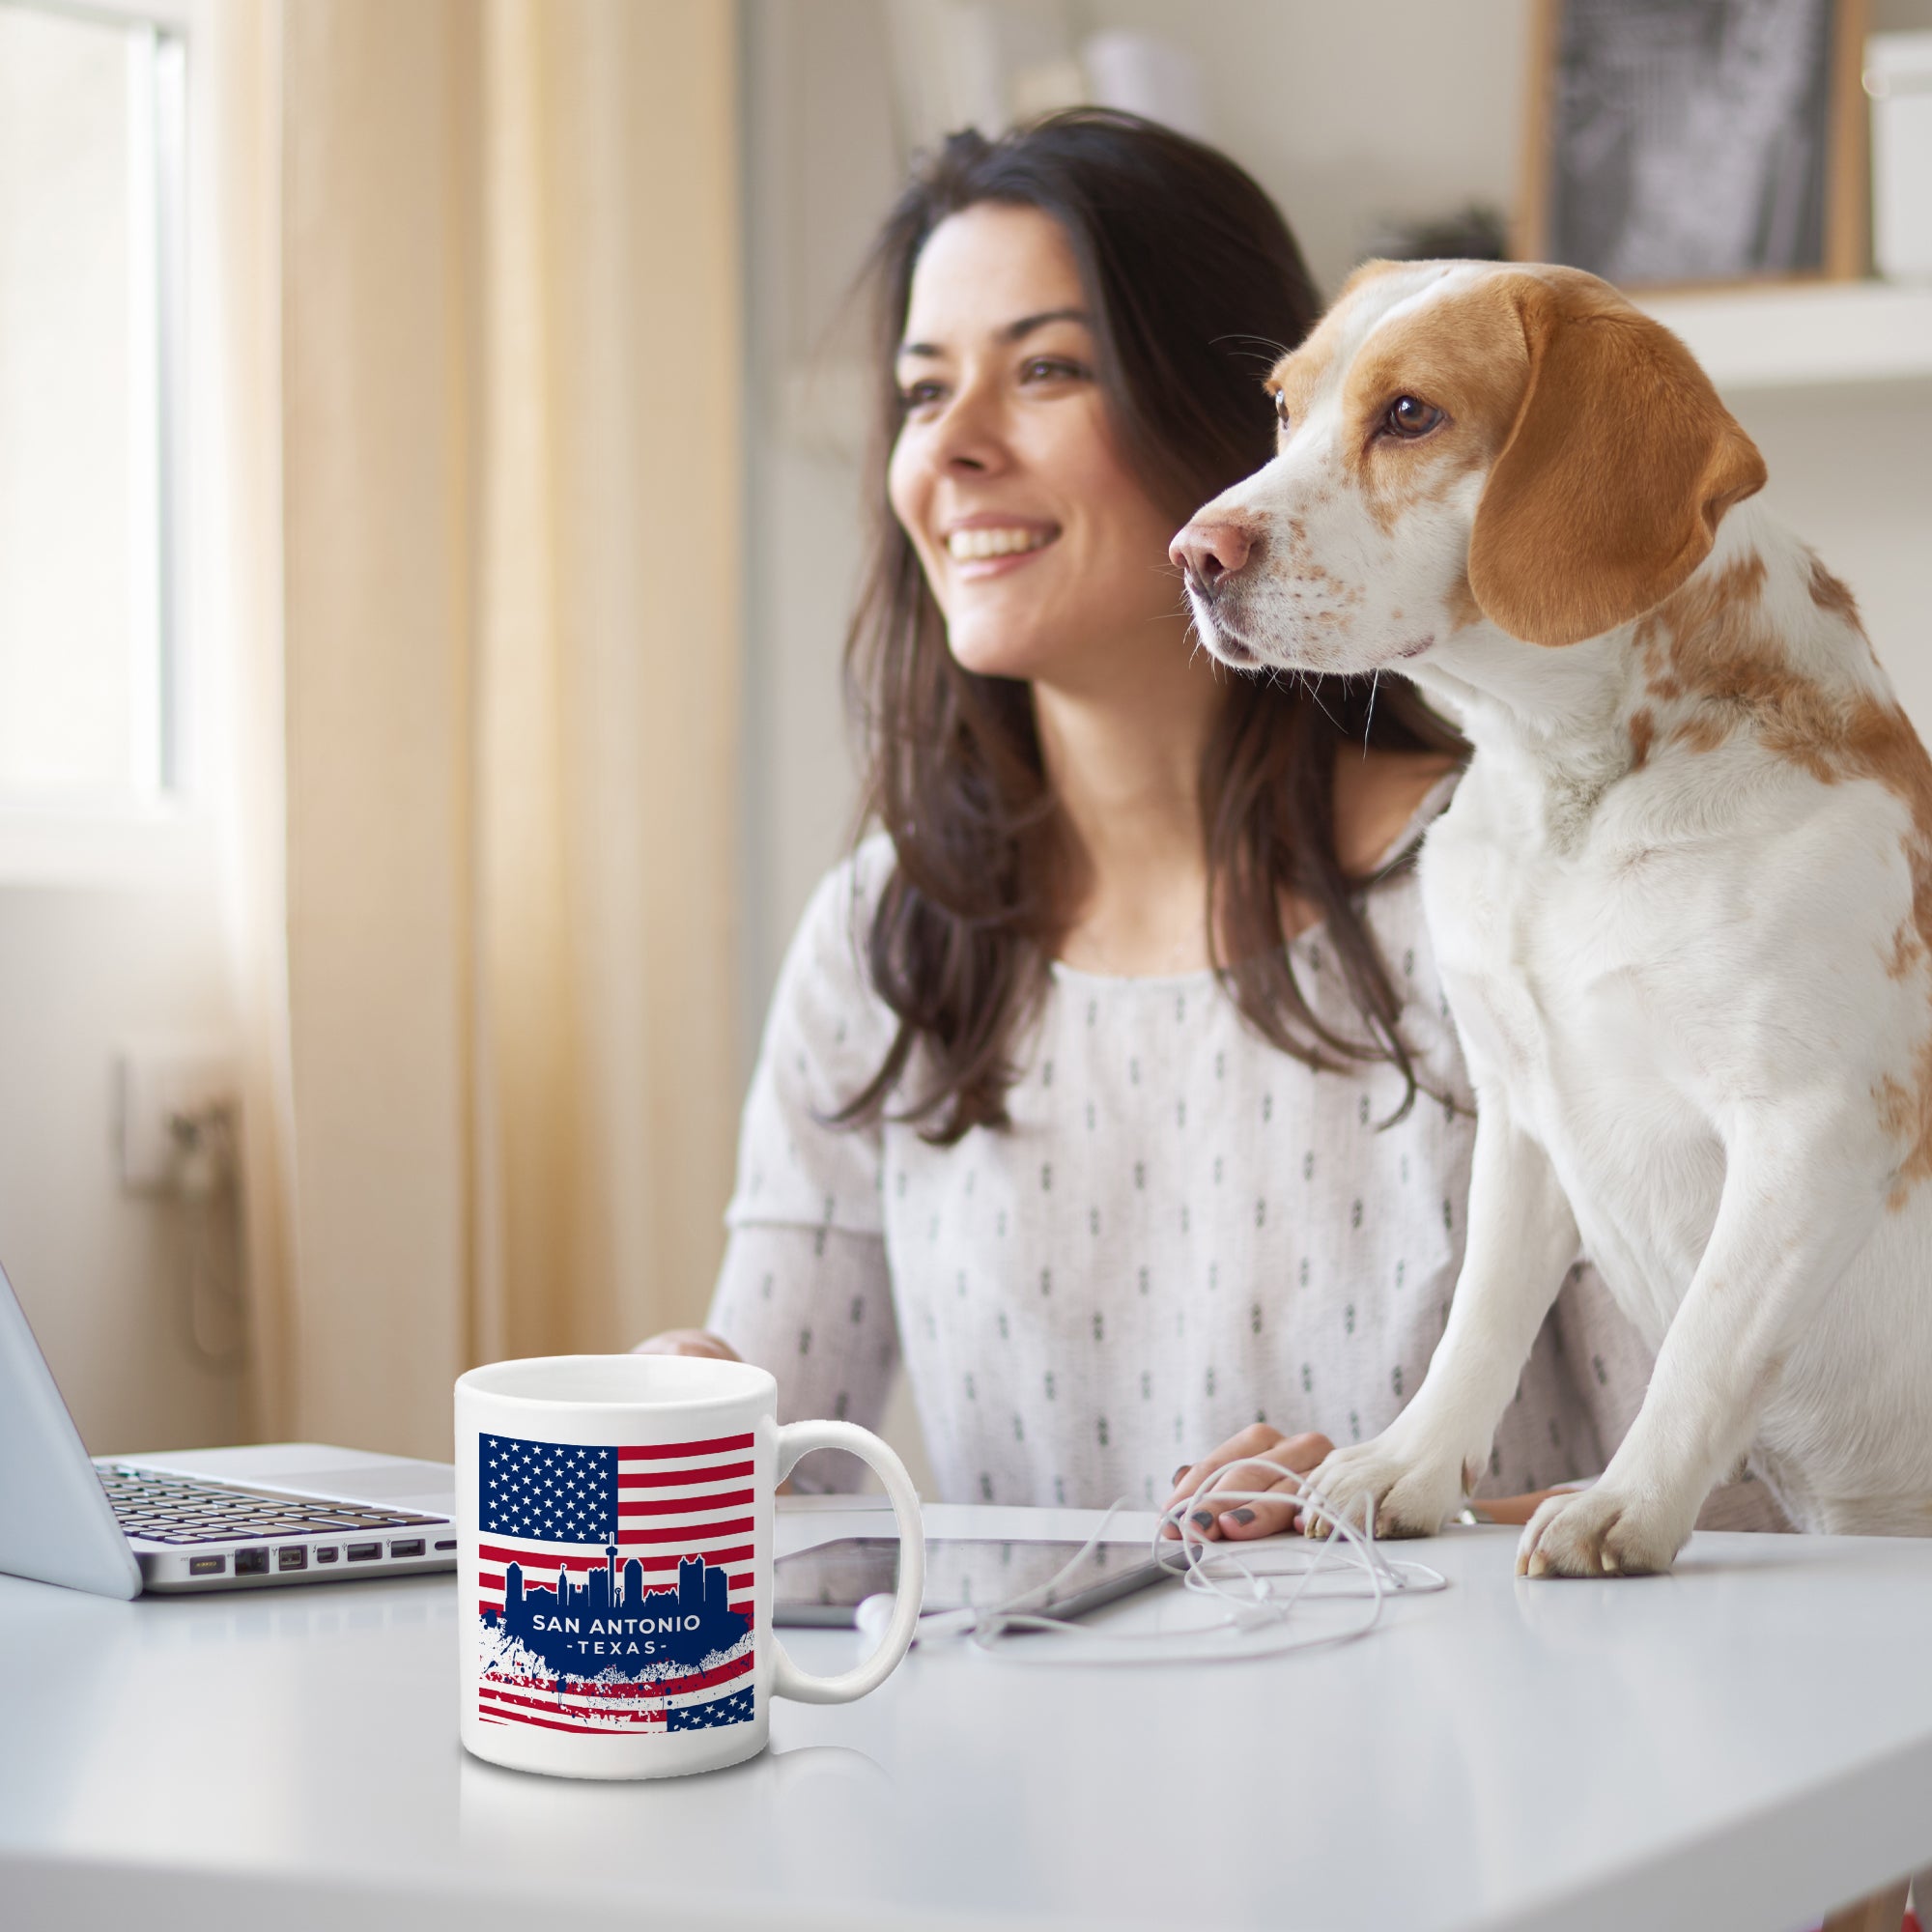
[{"x": 994, "y": 545}]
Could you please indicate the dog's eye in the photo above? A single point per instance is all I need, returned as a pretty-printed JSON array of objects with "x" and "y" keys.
[
  {"x": 1410, "y": 417},
  {"x": 1281, "y": 415}
]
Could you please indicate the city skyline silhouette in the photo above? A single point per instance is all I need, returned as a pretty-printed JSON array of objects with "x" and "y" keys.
[{"x": 611, "y": 1624}]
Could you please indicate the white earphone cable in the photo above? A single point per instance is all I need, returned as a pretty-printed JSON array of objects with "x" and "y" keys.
[{"x": 1348, "y": 1564}]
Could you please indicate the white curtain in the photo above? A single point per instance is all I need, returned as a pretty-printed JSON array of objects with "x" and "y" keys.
[{"x": 474, "y": 575}]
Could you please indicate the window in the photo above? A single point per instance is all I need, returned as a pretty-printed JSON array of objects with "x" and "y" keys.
[{"x": 92, "y": 168}]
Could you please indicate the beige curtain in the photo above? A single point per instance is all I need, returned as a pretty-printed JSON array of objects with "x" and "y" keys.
[{"x": 485, "y": 718}]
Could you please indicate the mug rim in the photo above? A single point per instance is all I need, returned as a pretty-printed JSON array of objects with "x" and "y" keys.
[{"x": 757, "y": 1381}]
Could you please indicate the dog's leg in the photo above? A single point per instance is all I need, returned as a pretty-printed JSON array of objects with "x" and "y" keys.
[
  {"x": 1801, "y": 1193},
  {"x": 1521, "y": 1238}
]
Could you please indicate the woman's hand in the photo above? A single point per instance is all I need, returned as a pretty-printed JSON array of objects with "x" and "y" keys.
[
  {"x": 1516, "y": 1510},
  {"x": 689, "y": 1342},
  {"x": 1236, "y": 1462}
]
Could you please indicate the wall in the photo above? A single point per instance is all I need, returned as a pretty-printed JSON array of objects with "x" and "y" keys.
[
  {"x": 821, "y": 165},
  {"x": 1852, "y": 473},
  {"x": 85, "y": 969}
]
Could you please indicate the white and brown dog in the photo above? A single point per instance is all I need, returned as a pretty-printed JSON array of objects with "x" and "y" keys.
[{"x": 1682, "y": 901}]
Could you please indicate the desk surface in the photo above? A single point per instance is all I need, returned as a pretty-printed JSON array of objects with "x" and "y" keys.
[{"x": 1739, "y": 1746}]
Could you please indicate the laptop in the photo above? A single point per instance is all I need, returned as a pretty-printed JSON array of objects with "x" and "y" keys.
[{"x": 200, "y": 1519}]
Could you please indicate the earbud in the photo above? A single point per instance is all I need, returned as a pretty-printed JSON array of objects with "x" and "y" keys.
[{"x": 874, "y": 1616}]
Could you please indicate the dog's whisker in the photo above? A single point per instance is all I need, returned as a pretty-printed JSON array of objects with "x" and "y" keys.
[
  {"x": 1308, "y": 684},
  {"x": 1273, "y": 350}
]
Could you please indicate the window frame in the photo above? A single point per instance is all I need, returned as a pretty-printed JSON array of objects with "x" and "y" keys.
[{"x": 162, "y": 831}]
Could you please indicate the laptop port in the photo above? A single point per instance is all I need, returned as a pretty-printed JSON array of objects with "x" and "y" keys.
[
  {"x": 451, "y": 1544},
  {"x": 328, "y": 1554},
  {"x": 251, "y": 1563},
  {"x": 207, "y": 1566},
  {"x": 292, "y": 1557},
  {"x": 364, "y": 1553},
  {"x": 412, "y": 1547}
]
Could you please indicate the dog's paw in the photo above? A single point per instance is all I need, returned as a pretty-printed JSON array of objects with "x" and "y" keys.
[
  {"x": 1407, "y": 1494},
  {"x": 1601, "y": 1532}
]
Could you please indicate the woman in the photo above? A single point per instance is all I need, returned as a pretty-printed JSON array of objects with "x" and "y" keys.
[{"x": 1110, "y": 1084}]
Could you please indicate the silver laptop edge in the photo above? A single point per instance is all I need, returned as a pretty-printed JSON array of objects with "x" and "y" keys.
[{"x": 325, "y": 1513}]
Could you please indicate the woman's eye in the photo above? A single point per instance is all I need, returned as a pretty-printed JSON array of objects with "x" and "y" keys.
[
  {"x": 1410, "y": 417},
  {"x": 917, "y": 395},
  {"x": 1051, "y": 368}
]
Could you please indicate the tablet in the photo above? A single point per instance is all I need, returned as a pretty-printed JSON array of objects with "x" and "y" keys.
[{"x": 826, "y": 1584}]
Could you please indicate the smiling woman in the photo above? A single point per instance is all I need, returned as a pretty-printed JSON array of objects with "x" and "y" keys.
[
  {"x": 1110, "y": 1084},
  {"x": 1073, "y": 324}
]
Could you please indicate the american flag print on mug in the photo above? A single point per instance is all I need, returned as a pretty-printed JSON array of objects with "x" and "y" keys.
[
  {"x": 614, "y": 1543},
  {"x": 608, "y": 1594}
]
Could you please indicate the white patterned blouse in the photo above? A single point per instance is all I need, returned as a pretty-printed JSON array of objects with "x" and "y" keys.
[{"x": 1182, "y": 1231}]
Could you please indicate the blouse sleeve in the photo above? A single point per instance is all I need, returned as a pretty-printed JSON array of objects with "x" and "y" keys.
[
  {"x": 826, "y": 1035},
  {"x": 815, "y": 1306},
  {"x": 805, "y": 1289},
  {"x": 1609, "y": 1367}
]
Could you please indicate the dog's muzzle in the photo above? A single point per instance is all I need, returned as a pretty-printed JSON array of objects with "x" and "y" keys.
[{"x": 1210, "y": 557}]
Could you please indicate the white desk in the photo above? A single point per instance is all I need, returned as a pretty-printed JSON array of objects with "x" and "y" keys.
[{"x": 1740, "y": 1746}]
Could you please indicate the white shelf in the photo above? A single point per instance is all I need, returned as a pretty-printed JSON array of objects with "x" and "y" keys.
[
  {"x": 1809, "y": 336},
  {"x": 1827, "y": 335}
]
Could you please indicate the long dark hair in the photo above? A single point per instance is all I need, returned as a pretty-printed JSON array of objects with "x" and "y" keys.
[{"x": 1195, "y": 286}]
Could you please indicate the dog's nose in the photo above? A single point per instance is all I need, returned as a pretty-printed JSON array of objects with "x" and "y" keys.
[{"x": 1208, "y": 552}]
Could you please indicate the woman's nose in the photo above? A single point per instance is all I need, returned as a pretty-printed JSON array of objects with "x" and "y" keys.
[
  {"x": 968, "y": 435},
  {"x": 1208, "y": 552}
]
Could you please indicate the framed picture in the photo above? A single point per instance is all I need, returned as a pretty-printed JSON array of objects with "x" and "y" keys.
[{"x": 1696, "y": 141}]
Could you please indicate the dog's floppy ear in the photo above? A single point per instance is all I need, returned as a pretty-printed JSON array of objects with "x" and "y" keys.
[{"x": 1610, "y": 488}]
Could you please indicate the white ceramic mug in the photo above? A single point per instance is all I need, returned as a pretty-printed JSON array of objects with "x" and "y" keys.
[{"x": 614, "y": 1535}]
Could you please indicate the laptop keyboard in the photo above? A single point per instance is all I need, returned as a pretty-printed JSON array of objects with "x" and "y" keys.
[{"x": 181, "y": 1509}]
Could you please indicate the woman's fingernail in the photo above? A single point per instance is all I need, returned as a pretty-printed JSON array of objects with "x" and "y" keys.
[
  {"x": 1203, "y": 1519},
  {"x": 1181, "y": 1471},
  {"x": 1242, "y": 1514}
]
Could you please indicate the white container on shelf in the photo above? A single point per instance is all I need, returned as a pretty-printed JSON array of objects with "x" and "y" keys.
[{"x": 1898, "y": 77}]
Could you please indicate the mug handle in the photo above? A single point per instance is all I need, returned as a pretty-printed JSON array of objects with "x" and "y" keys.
[{"x": 795, "y": 1439}]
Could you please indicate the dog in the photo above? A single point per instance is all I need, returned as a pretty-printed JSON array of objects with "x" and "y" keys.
[{"x": 1682, "y": 898}]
